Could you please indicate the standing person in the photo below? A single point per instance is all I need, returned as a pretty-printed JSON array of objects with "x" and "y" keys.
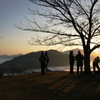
[
  {"x": 95, "y": 63},
  {"x": 47, "y": 61},
  {"x": 42, "y": 60},
  {"x": 79, "y": 58},
  {"x": 71, "y": 62}
]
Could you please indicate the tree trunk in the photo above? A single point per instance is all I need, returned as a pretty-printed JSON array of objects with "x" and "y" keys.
[{"x": 87, "y": 62}]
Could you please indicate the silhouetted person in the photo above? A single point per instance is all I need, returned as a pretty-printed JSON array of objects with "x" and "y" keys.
[
  {"x": 79, "y": 58},
  {"x": 71, "y": 61},
  {"x": 47, "y": 61},
  {"x": 95, "y": 64},
  {"x": 42, "y": 60}
]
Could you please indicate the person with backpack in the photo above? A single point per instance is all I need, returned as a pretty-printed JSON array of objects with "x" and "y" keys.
[{"x": 95, "y": 64}]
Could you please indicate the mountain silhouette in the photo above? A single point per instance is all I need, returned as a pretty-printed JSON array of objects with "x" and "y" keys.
[
  {"x": 75, "y": 51},
  {"x": 9, "y": 57},
  {"x": 31, "y": 61}
]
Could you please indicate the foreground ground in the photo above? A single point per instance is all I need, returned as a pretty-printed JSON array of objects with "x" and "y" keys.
[{"x": 52, "y": 86}]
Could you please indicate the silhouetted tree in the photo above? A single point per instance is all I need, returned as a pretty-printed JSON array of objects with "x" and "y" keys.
[{"x": 70, "y": 22}]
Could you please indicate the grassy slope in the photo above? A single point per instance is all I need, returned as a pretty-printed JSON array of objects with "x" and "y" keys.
[{"x": 52, "y": 86}]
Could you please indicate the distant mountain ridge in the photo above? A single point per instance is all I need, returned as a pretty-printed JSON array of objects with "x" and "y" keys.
[
  {"x": 33, "y": 58},
  {"x": 31, "y": 61},
  {"x": 7, "y": 56},
  {"x": 75, "y": 51}
]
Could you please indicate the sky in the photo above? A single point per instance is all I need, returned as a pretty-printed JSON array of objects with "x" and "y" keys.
[{"x": 15, "y": 41}]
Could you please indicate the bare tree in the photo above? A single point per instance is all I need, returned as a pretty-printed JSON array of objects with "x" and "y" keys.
[{"x": 67, "y": 22}]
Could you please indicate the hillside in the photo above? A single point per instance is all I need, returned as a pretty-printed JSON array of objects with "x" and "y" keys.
[
  {"x": 4, "y": 58},
  {"x": 75, "y": 51},
  {"x": 9, "y": 57},
  {"x": 30, "y": 61},
  {"x": 52, "y": 86}
]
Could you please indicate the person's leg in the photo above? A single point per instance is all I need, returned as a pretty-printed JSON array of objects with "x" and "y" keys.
[
  {"x": 98, "y": 67},
  {"x": 70, "y": 68},
  {"x": 42, "y": 68},
  {"x": 81, "y": 69},
  {"x": 77, "y": 69},
  {"x": 73, "y": 68},
  {"x": 46, "y": 69},
  {"x": 94, "y": 67}
]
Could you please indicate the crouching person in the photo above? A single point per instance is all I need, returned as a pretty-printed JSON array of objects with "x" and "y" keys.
[{"x": 95, "y": 64}]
